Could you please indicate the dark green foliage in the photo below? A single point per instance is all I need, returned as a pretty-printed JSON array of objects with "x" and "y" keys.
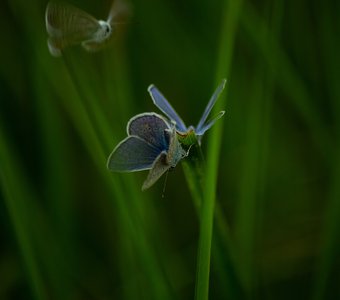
[{"x": 260, "y": 199}]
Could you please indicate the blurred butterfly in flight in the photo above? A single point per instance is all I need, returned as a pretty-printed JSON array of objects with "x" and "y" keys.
[
  {"x": 151, "y": 144},
  {"x": 188, "y": 135},
  {"x": 68, "y": 25}
]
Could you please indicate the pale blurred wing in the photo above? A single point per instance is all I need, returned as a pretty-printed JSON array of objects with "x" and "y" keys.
[
  {"x": 210, "y": 105},
  {"x": 151, "y": 128},
  {"x": 163, "y": 104},
  {"x": 158, "y": 169},
  {"x": 209, "y": 124},
  {"x": 120, "y": 12},
  {"x": 54, "y": 46},
  {"x": 92, "y": 46},
  {"x": 68, "y": 25},
  {"x": 132, "y": 154}
]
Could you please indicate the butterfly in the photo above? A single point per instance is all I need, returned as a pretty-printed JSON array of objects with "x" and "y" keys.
[
  {"x": 151, "y": 144},
  {"x": 188, "y": 135},
  {"x": 68, "y": 25}
]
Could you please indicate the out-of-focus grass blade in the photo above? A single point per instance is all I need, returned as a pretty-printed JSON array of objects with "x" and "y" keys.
[
  {"x": 228, "y": 29},
  {"x": 275, "y": 15},
  {"x": 281, "y": 66},
  {"x": 254, "y": 176},
  {"x": 248, "y": 187},
  {"x": 130, "y": 215},
  {"x": 328, "y": 265},
  {"x": 19, "y": 199},
  {"x": 86, "y": 130},
  {"x": 90, "y": 123}
]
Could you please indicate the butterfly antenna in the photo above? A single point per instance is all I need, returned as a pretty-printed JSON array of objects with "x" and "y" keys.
[
  {"x": 119, "y": 23},
  {"x": 165, "y": 181}
]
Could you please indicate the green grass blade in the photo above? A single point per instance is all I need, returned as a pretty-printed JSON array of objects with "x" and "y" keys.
[
  {"x": 230, "y": 21},
  {"x": 223, "y": 252},
  {"x": 288, "y": 77},
  {"x": 18, "y": 198},
  {"x": 327, "y": 266},
  {"x": 84, "y": 117}
]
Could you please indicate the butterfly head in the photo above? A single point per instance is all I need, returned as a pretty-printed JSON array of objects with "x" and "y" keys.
[{"x": 104, "y": 32}]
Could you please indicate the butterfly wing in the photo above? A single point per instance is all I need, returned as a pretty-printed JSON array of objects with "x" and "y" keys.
[
  {"x": 209, "y": 107},
  {"x": 163, "y": 104},
  {"x": 120, "y": 11},
  {"x": 93, "y": 46},
  {"x": 159, "y": 167},
  {"x": 151, "y": 128},
  {"x": 132, "y": 154},
  {"x": 207, "y": 125},
  {"x": 68, "y": 25}
]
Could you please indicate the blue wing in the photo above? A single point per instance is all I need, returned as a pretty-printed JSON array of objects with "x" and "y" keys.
[
  {"x": 163, "y": 104},
  {"x": 151, "y": 128},
  {"x": 132, "y": 154},
  {"x": 209, "y": 107},
  {"x": 207, "y": 125}
]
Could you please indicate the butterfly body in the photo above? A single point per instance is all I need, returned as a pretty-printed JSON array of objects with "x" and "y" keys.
[
  {"x": 99, "y": 37},
  {"x": 188, "y": 137}
]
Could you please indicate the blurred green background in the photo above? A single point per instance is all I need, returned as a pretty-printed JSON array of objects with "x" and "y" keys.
[{"x": 70, "y": 229}]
